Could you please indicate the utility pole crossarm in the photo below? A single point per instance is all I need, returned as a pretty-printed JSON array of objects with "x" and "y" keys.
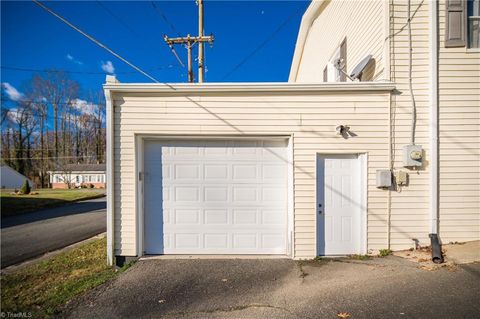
[
  {"x": 189, "y": 41},
  {"x": 184, "y": 40}
]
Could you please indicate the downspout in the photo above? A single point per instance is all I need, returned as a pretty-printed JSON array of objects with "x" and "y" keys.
[
  {"x": 387, "y": 76},
  {"x": 410, "y": 79},
  {"x": 110, "y": 168},
  {"x": 434, "y": 240}
]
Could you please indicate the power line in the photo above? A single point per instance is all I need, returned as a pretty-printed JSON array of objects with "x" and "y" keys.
[
  {"x": 94, "y": 40},
  {"x": 46, "y": 102},
  {"x": 122, "y": 22},
  {"x": 261, "y": 45},
  {"x": 117, "y": 18},
  {"x": 22, "y": 69},
  {"x": 51, "y": 157},
  {"x": 164, "y": 17}
]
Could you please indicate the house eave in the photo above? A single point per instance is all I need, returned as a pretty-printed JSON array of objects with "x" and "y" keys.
[{"x": 227, "y": 88}]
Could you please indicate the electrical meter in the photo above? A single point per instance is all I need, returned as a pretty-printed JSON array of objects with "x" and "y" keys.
[{"x": 412, "y": 156}]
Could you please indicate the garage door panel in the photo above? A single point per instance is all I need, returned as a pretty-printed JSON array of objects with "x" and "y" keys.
[
  {"x": 248, "y": 242},
  {"x": 215, "y": 194},
  {"x": 223, "y": 197}
]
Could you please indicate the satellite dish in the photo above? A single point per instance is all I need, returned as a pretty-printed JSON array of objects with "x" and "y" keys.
[{"x": 358, "y": 70}]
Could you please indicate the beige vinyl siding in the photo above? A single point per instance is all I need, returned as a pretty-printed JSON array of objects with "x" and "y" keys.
[
  {"x": 459, "y": 116},
  {"x": 310, "y": 117},
  {"x": 410, "y": 212},
  {"x": 361, "y": 22}
]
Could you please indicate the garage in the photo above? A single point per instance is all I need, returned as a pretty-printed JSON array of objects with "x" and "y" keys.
[{"x": 215, "y": 196}]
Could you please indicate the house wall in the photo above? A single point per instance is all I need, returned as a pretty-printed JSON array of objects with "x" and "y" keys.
[
  {"x": 65, "y": 186},
  {"x": 12, "y": 179},
  {"x": 97, "y": 179},
  {"x": 361, "y": 22},
  {"x": 459, "y": 116},
  {"x": 410, "y": 212},
  {"x": 310, "y": 116}
]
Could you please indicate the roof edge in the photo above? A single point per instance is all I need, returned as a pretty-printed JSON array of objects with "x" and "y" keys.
[
  {"x": 312, "y": 12},
  {"x": 181, "y": 88}
]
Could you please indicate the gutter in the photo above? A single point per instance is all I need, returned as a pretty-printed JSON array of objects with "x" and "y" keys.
[
  {"x": 434, "y": 198},
  {"x": 110, "y": 172},
  {"x": 229, "y": 88}
]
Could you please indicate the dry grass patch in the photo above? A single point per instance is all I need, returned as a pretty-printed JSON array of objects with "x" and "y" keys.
[{"x": 44, "y": 288}]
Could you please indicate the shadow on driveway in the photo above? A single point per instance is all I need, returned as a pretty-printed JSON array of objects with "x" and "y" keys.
[
  {"x": 389, "y": 287},
  {"x": 48, "y": 213}
]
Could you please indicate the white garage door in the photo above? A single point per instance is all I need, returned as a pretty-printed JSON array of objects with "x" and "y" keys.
[{"x": 215, "y": 197}]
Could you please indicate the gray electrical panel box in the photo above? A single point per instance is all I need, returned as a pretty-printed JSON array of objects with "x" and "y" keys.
[
  {"x": 412, "y": 156},
  {"x": 384, "y": 178}
]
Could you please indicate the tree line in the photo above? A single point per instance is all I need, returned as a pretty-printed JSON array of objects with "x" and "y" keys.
[{"x": 49, "y": 125}]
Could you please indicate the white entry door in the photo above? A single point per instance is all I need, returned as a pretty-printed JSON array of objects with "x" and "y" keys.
[
  {"x": 339, "y": 204},
  {"x": 215, "y": 197}
]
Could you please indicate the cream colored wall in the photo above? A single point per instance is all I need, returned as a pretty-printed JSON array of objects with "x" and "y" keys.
[
  {"x": 310, "y": 117},
  {"x": 459, "y": 94},
  {"x": 459, "y": 130},
  {"x": 361, "y": 21},
  {"x": 459, "y": 113},
  {"x": 410, "y": 213}
]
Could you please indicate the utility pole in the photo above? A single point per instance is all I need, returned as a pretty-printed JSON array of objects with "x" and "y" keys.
[
  {"x": 201, "y": 70},
  {"x": 189, "y": 42}
]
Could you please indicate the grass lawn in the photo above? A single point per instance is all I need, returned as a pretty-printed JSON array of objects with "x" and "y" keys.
[
  {"x": 44, "y": 288},
  {"x": 19, "y": 204}
]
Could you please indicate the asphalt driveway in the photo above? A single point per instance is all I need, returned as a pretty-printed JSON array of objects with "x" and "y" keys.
[
  {"x": 389, "y": 287},
  {"x": 30, "y": 235}
]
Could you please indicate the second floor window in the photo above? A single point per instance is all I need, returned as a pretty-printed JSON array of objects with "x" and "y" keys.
[{"x": 473, "y": 21}]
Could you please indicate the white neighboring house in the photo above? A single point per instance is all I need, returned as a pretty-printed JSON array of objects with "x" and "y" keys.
[
  {"x": 78, "y": 175},
  {"x": 12, "y": 179}
]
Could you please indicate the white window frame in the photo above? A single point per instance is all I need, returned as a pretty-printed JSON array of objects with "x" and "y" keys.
[
  {"x": 475, "y": 3},
  {"x": 334, "y": 75}
]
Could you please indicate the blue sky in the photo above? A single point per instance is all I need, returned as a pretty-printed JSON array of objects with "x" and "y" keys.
[{"x": 31, "y": 38}]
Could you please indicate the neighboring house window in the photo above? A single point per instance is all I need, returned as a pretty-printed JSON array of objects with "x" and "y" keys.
[
  {"x": 473, "y": 12},
  {"x": 77, "y": 179},
  {"x": 462, "y": 23}
]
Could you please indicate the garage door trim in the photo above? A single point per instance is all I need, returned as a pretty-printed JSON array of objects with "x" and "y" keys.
[{"x": 139, "y": 187}]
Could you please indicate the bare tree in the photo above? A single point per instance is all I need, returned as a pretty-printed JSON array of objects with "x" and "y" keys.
[
  {"x": 52, "y": 101},
  {"x": 58, "y": 90},
  {"x": 24, "y": 124}
]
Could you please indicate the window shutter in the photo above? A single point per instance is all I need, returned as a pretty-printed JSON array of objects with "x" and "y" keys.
[
  {"x": 343, "y": 57},
  {"x": 325, "y": 74},
  {"x": 456, "y": 23}
]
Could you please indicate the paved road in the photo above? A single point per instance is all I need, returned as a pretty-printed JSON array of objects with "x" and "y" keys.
[
  {"x": 31, "y": 235},
  {"x": 389, "y": 287}
]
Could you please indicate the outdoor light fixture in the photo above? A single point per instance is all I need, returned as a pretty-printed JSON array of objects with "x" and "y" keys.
[{"x": 342, "y": 129}]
